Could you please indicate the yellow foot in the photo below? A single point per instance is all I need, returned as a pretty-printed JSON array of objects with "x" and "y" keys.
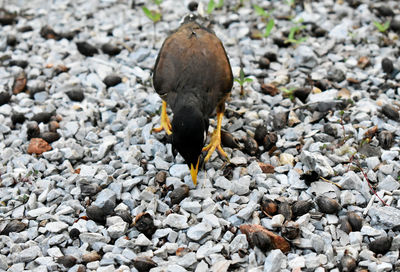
[
  {"x": 165, "y": 123},
  {"x": 215, "y": 143}
]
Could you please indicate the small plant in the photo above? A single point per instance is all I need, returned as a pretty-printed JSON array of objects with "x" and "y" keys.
[
  {"x": 158, "y": 2},
  {"x": 152, "y": 15},
  {"x": 382, "y": 27},
  {"x": 265, "y": 15},
  {"x": 242, "y": 80},
  {"x": 293, "y": 31},
  {"x": 288, "y": 92},
  {"x": 212, "y": 5}
]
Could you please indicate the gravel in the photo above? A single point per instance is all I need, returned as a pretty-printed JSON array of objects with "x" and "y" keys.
[{"x": 77, "y": 74}]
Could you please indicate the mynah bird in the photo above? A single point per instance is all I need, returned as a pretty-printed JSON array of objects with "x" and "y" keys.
[{"x": 193, "y": 76}]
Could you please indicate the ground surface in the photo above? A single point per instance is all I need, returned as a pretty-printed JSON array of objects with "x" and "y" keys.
[{"x": 327, "y": 98}]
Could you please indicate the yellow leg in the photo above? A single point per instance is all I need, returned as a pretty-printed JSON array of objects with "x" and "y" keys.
[
  {"x": 165, "y": 123},
  {"x": 215, "y": 142}
]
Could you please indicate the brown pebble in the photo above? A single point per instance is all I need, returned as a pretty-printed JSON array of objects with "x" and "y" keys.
[
  {"x": 228, "y": 140},
  {"x": 144, "y": 223},
  {"x": 269, "y": 207},
  {"x": 290, "y": 230},
  {"x": 270, "y": 140},
  {"x": 48, "y": 33},
  {"x": 347, "y": 264},
  {"x": 261, "y": 240},
  {"x": 17, "y": 118},
  {"x": 86, "y": 49},
  {"x": 267, "y": 168},
  {"x": 269, "y": 89},
  {"x": 53, "y": 126},
  {"x": 327, "y": 205},
  {"x": 76, "y": 95},
  {"x": 4, "y": 98},
  {"x": 263, "y": 63},
  {"x": 38, "y": 146},
  {"x": 285, "y": 209},
  {"x": 161, "y": 177},
  {"x": 302, "y": 94},
  {"x": 90, "y": 257},
  {"x": 277, "y": 242},
  {"x": 390, "y": 112},
  {"x": 42, "y": 117},
  {"x": 385, "y": 139},
  {"x": 67, "y": 261},
  {"x": 363, "y": 62},
  {"x": 355, "y": 221},
  {"x": 381, "y": 245},
  {"x": 110, "y": 49},
  {"x": 50, "y": 136},
  {"x": 279, "y": 119},
  {"x": 96, "y": 214},
  {"x": 260, "y": 133},
  {"x": 179, "y": 194},
  {"x": 13, "y": 226},
  {"x": 345, "y": 226},
  {"x": 112, "y": 80},
  {"x": 144, "y": 264},
  {"x": 19, "y": 83},
  {"x": 74, "y": 233},
  {"x": 125, "y": 215},
  {"x": 301, "y": 207},
  {"x": 250, "y": 146}
]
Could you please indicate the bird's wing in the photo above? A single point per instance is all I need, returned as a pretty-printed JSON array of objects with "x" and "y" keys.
[{"x": 193, "y": 60}]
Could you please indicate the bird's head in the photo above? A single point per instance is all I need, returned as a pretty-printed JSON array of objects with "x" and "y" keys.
[{"x": 188, "y": 135}]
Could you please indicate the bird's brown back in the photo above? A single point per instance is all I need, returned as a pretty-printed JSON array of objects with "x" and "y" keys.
[{"x": 193, "y": 60}]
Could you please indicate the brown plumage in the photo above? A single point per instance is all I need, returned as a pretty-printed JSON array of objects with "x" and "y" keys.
[{"x": 193, "y": 76}]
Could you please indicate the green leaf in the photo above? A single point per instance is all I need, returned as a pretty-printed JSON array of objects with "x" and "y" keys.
[
  {"x": 248, "y": 80},
  {"x": 147, "y": 12},
  {"x": 211, "y": 6},
  {"x": 220, "y": 4},
  {"x": 260, "y": 11},
  {"x": 158, "y": 2},
  {"x": 239, "y": 81},
  {"x": 241, "y": 74},
  {"x": 269, "y": 27},
  {"x": 152, "y": 15}
]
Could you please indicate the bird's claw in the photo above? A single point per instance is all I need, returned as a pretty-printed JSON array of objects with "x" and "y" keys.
[
  {"x": 165, "y": 123},
  {"x": 215, "y": 143}
]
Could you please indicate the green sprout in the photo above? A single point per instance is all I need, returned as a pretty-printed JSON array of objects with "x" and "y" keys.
[
  {"x": 158, "y": 2},
  {"x": 288, "y": 92},
  {"x": 293, "y": 31},
  {"x": 382, "y": 27},
  {"x": 152, "y": 15},
  {"x": 212, "y": 5},
  {"x": 265, "y": 15},
  {"x": 242, "y": 80}
]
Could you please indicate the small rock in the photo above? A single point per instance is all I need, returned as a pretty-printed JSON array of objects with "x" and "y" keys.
[
  {"x": 198, "y": 231},
  {"x": 13, "y": 226},
  {"x": 144, "y": 264},
  {"x": 49, "y": 136},
  {"x": 38, "y": 146},
  {"x": 178, "y": 194},
  {"x": 110, "y": 49},
  {"x": 274, "y": 261},
  {"x": 327, "y": 205},
  {"x": 76, "y": 95},
  {"x": 112, "y": 80},
  {"x": 381, "y": 245},
  {"x": 390, "y": 112},
  {"x": 42, "y": 117},
  {"x": 239, "y": 242},
  {"x": 176, "y": 221},
  {"x": 387, "y": 65},
  {"x": 4, "y": 98},
  {"x": 145, "y": 224},
  {"x": 67, "y": 261},
  {"x": 86, "y": 49}
]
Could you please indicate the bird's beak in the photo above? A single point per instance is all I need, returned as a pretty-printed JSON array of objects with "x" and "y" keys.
[{"x": 193, "y": 172}]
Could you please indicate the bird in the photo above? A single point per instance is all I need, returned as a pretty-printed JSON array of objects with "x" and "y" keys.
[{"x": 193, "y": 76}]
